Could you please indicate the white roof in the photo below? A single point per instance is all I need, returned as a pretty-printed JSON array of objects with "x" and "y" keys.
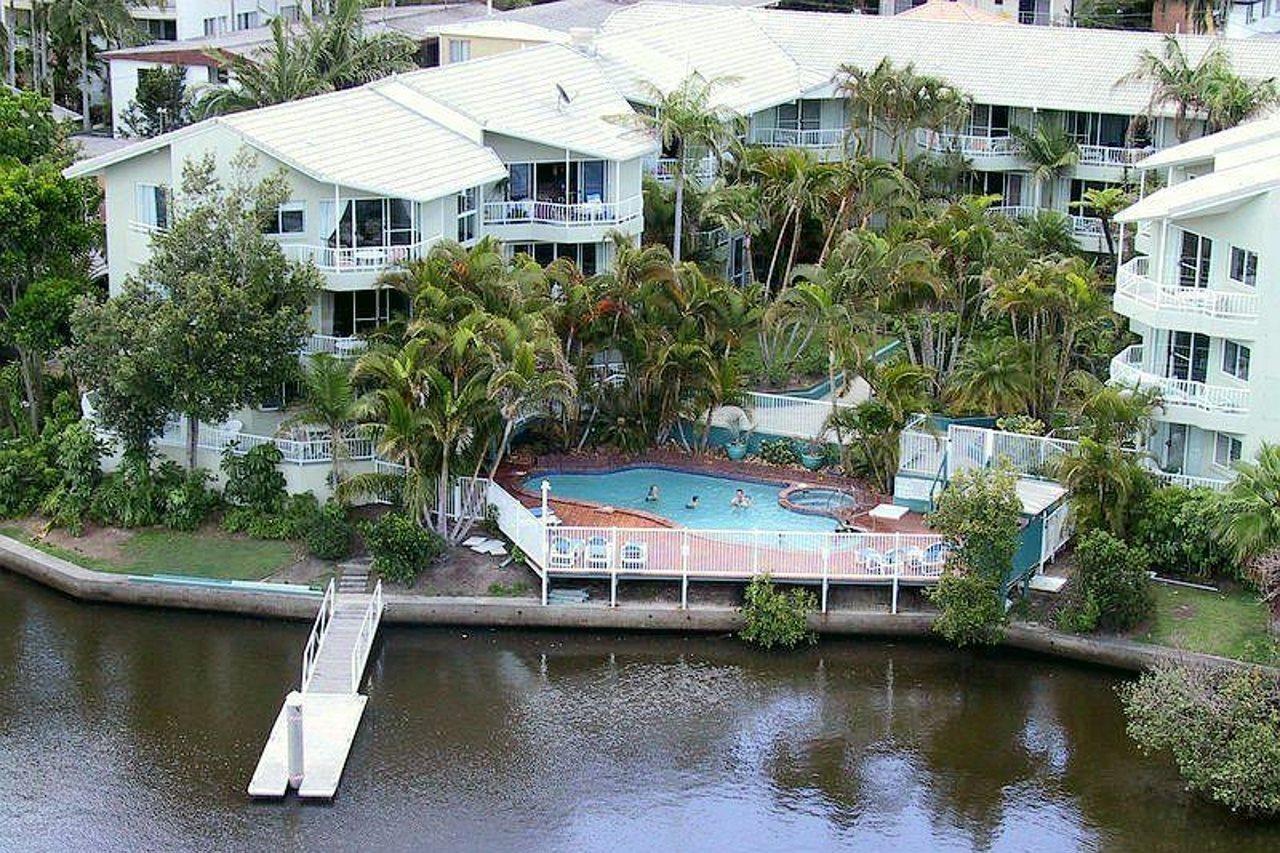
[
  {"x": 1206, "y": 148},
  {"x": 1057, "y": 68},
  {"x": 500, "y": 28},
  {"x": 1211, "y": 193},
  {"x": 522, "y": 94},
  {"x": 1038, "y": 495}
]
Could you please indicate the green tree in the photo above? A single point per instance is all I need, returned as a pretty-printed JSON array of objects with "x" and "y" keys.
[
  {"x": 894, "y": 100},
  {"x": 774, "y": 618},
  {"x": 1103, "y": 204},
  {"x": 979, "y": 514},
  {"x": 28, "y": 130},
  {"x": 1105, "y": 484},
  {"x": 329, "y": 399},
  {"x": 793, "y": 186},
  {"x": 993, "y": 377},
  {"x": 1111, "y": 589},
  {"x": 1049, "y": 151},
  {"x": 93, "y": 21},
  {"x": 162, "y": 102},
  {"x": 1250, "y": 522}
]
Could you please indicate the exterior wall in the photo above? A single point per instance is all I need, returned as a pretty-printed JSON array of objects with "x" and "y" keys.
[
  {"x": 124, "y": 84},
  {"x": 481, "y": 46}
]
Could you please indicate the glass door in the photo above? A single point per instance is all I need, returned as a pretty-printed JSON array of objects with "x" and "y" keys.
[
  {"x": 1188, "y": 356},
  {"x": 1175, "y": 449},
  {"x": 1194, "y": 257}
]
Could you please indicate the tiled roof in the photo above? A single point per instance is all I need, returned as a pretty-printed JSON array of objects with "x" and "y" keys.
[{"x": 954, "y": 10}]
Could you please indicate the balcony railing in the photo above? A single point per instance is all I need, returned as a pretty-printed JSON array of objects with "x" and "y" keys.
[
  {"x": 790, "y": 137},
  {"x": 340, "y": 346},
  {"x": 358, "y": 258},
  {"x": 1105, "y": 155},
  {"x": 147, "y": 228},
  {"x": 967, "y": 144},
  {"x": 1133, "y": 282},
  {"x": 663, "y": 169},
  {"x": 1012, "y": 211},
  {"x": 1127, "y": 368},
  {"x": 582, "y": 214}
]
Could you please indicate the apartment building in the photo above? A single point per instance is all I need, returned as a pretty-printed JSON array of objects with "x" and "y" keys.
[
  {"x": 1207, "y": 259},
  {"x": 522, "y": 147}
]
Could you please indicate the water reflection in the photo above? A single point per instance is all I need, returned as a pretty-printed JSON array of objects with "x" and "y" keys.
[{"x": 131, "y": 729}]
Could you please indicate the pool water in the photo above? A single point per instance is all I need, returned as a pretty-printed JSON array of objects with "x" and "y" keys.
[{"x": 626, "y": 489}]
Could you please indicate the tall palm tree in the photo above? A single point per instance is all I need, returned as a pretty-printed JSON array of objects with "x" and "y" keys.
[
  {"x": 1050, "y": 152},
  {"x": 105, "y": 20},
  {"x": 737, "y": 209},
  {"x": 895, "y": 100},
  {"x": 1250, "y": 522},
  {"x": 1104, "y": 482},
  {"x": 1104, "y": 204},
  {"x": 687, "y": 122},
  {"x": 329, "y": 399},
  {"x": 347, "y": 56},
  {"x": 993, "y": 377},
  {"x": 793, "y": 185}
]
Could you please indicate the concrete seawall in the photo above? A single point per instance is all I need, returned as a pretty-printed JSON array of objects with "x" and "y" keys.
[{"x": 89, "y": 585}]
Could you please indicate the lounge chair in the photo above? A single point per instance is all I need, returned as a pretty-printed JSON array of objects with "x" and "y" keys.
[
  {"x": 597, "y": 553},
  {"x": 563, "y": 553},
  {"x": 634, "y": 556},
  {"x": 874, "y": 562}
]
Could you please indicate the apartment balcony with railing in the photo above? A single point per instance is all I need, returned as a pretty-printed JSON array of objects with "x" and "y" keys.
[
  {"x": 1208, "y": 310},
  {"x": 663, "y": 169},
  {"x": 1183, "y": 400},
  {"x": 820, "y": 138},
  {"x": 365, "y": 258},
  {"x": 532, "y": 219},
  {"x": 999, "y": 151}
]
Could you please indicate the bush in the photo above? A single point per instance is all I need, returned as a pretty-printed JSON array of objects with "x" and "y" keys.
[
  {"x": 133, "y": 495},
  {"x": 253, "y": 479},
  {"x": 1222, "y": 727},
  {"x": 187, "y": 500},
  {"x": 329, "y": 536},
  {"x": 980, "y": 513},
  {"x": 26, "y": 476},
  {"x": 972, "y": 609},
  {"x": 79, "y": 452},
  {"x": 1111, "y": 589},
  {"x": 291, "y": 519},
  {"x": 1176, "y": 527},
  {"x": 779, "y": 451},
  {"x": 776, "y": 618},
  {"x": 401, "y": 547}
]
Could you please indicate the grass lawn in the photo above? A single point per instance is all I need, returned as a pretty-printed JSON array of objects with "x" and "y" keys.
[
  {"x": 1232, "y": 624},
  {"x": 206, "y": 554}
]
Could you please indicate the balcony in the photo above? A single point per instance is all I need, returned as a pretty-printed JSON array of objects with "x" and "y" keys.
[
  {"x": 1108, "y": 156},
  {"x": 339, "y": 346},
  {"x": 1187, "y": 401},
  {"x": 1220, "y": 313},
  {"x": 986, "y": 152},
  {"x": 662, "y": 169},
  {"x": 588, "y": 221},
  {"x": 350, "y": 267},
  {"x": 790, "y": 137}
]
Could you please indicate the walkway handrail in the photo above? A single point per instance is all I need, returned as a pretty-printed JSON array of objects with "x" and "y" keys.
[
  {"x": 364, "y": 637},
  {"x": 318, "y": 630}
]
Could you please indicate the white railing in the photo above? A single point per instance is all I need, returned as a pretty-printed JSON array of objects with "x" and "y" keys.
[
  {"x": 1127, "y": 368},
  {"x": 364, "y": 637},
  {"x": 348, "y": 346},
  {"x": 921, "y": 452},
  {"x": 1086, "y": 226},
  {"x": 585, "y": 213},
  {"x": 518, "y": 524},
  {"x": 147, "y": 228},
  {"x": 782, "y": 415},
  {"x": 790, "y": 137},
  {"x": 663, "y": 169},
  {"x": 976, "y": 447},
  {"x": 1012, "y": 211},
  {"x": 970, "y": 145},
  {"x": 340, "y": 259},
  {"x": 1187, "y": 481},
  {"x": 1106, "y": 155},
  {"x": 297, "y": 451},
  {"x": 318, "y": 630},
  {"x": 607, "y": 372},
  {"x": 1058, "y": 528},
  {"x": 1133, "y": 282},
  {"x": 743, "y": 554}
]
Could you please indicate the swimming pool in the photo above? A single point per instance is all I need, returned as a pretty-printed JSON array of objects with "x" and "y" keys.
[{"x": 627, "y": 487}]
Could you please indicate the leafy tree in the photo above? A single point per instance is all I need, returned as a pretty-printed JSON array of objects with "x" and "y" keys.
[
  {"x": 1050, "y": 152},
  {"x": 793, "y": 187},
  {"x": 28, "y": 130},
  {"x": 971, "y": 608},
  {"x": 1250, "y": 521},
  {"x": 993, "y": 377},
  {"x": 329, "y": 399},
  {"x": 162, "y": 102},
  {"x": 1105, "y": 485},
  {"x": 774, "y": 618},
  {"x": 1104, "y": 204},
  {"x": 1220, "y": 725},
  {"x": 895, "y": 100},
  {"x": 1177, "y": 527},
  {"x": 869, "y": 432},
  {"x": 401, "y": 549},
  {"x": 1111, "y": 589},
  {"x": 93, "y": 22},
  {"x": 979, "y": 514}
]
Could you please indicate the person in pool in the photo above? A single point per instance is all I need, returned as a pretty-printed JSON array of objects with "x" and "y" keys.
[
  {"x": 652, "y": 497},
  {"x": 693, "y": 503},
  {"x": 740, "y": 500}
]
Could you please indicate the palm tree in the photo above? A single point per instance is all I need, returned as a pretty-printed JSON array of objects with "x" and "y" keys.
[
  {"x": 105, "y": 20},
  {"x": 1050, "y": 151},
  {"x": 347, "y": 56},
  {"x": 895, "y": 100},
  {"x": 526, "y": 384},
  {"x": 1250, "y": 522},
  {"x": 329, "y": 399},
  {"x": 687, "y": 122},
  {"x": 1104, "y": 482},
  {"x": 1104, "y": 204},
  {"x": 736, "y": 208},
  {"x": 1228, "y": 99},
  {"x": 792, "y": 183},
  {"x": 993, "y": 377}
]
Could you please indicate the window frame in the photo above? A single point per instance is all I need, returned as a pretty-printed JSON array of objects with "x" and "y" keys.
[
  {"x": 1248, "y": 266},
  {"x": 459, "y": 50},
  {"x": 1235, "y": 360},
  {"x": 1233, "y": 446},
  {"x": 277, "y": 225},
  {"x": 468, "y": 217}
]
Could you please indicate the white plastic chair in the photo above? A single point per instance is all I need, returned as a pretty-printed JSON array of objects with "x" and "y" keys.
[
  {"x": 597, "y": 553},
  {"x": 634, "y": 556}
]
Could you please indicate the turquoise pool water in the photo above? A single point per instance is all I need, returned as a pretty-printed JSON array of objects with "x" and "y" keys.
[{"x": 627, "y": 487}]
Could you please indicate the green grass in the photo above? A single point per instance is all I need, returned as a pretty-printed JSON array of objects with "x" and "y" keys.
[
  {"x": 1231, "y": 624},
  {"x": 169, "y": 552}
]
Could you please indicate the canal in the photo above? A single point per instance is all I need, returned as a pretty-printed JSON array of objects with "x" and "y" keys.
[{"x": 129, "y": 729}]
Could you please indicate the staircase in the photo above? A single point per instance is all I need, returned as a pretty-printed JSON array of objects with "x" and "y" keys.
[{"x": 353, "y": 577}]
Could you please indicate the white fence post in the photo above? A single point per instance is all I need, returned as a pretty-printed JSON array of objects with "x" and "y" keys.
[{"x": 826, "y": 569}]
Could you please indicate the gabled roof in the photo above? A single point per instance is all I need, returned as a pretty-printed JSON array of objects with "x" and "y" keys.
[
  {"x": 1206, "y": 148},
  {"x": 501, "y": 28},
  {"x": 550, "y": 94},
  {"x": 953, "y": 10},
  {"x": 1211, "y": 193}
]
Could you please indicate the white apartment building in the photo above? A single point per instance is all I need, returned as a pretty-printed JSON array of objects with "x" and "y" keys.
[
  {"x": 522, "y": 147},
  {"x": 1208, "y": 261}
]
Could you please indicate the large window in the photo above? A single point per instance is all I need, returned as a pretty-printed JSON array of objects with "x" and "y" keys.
[
  {"x": 246, "y": 20},
  {"x": 574, "y": 183},
  {"x": 988, "y": 120},
  {"x": 468, "y": 204},
  {"x": 1235, "y": 360},
  {"x": 585, "y": 255},
  {"x": 159, "y": 29},
  {"x": 367, "y": 222},
  {"x": 459, "y": 50},
  {"x": 800, "y": 115},
  {"x": 1188, "y": 356},
  {"x": 289, "y": 218},
  {"x": 1244, "y": 266},
  {"x": 1227, "y": 449},
  {"x": 151, "y": 205},
  {"x": 1194, "y": 258},
  {"x": 1105, "y": 129},
  {"x": 361, "y": 311}
]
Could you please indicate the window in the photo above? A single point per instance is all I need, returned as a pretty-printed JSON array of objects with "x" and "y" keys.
[
  {"x": 468, "y": 204},
  {"x": 988, "y": 120},
  {"x": 1188, "y": 356},
  {"x": 289, "y": 13},
  {"x": 1106, "y": 129},
  {"x": 290, "y": 218},
  {"x": 1235, "y": 360},
  {"x": 800, "y": 115},
  {"x": 592, "y": 180},
  {"x": 1079, "y": 188},
  {"x": 1194, "y": 259},
  {"x": 1227, "y": 449},
  {"x": 519, "y": 181},
  {"x": 459, "y": 50},
  {"x": 246, "y": 20},
  {"x": 160, "y": 30},
  {"x": 215, "y": 26},
  {"x": 151, "y": 206},
  {"x": 1244, "y": 266},
  {"x": 367, "y": 223}
]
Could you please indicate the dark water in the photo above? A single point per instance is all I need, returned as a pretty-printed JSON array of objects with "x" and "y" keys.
[{"x": 138, "y": 730}]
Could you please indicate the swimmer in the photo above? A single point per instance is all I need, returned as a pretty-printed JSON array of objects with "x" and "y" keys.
[
  {"x": 652, "y": 497},
  {"x": 740, "y": 500},
  {"x": 693, "y": 503}
]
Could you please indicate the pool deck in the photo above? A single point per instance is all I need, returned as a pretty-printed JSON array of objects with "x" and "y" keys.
[{"x": 575, "y": 513}]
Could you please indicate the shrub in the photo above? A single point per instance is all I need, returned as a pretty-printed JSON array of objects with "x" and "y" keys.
[
  {"x": 980, "y": 513},
  {"x": 132, "y": 495},
  {"x": 79, "y": 452},
  {"x": 1176, "y": 527},
  {"x": 187, "y": 500},
  {"x": 972, "y": 609},
  {"x": 329, "y": 535},
  {"x": 514, "y": 590},
  {"x": 1221, "y": 726},
  {"x": 1111, "y": 589},
  {"x": 253, "y": 479},
  {"x": 401, "y": 547},
  {"x": 26, "y": 476},
  {"x": 776, "y": 618},
  {"x": 779, "y": 451},
  {"x": 291, "y": 519},
  {"x": 1021, "y": 424}
]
